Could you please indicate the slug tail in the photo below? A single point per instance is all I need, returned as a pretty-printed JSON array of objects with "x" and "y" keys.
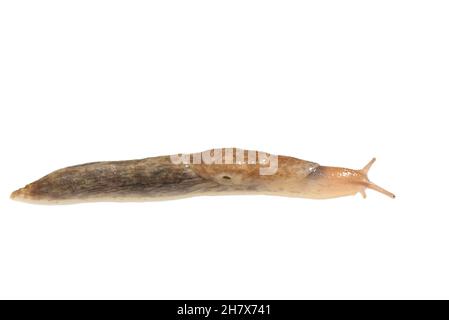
[
  {"x": 24, "y": 194},
  {"x": 16, "y": 194},
  {"x": 371, "y": 185}
]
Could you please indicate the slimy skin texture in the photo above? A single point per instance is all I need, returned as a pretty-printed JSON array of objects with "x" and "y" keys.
[{"x": 159, "y": 178}]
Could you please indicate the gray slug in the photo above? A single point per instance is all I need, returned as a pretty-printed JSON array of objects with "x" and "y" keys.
[{"x": 212, "y": 172}]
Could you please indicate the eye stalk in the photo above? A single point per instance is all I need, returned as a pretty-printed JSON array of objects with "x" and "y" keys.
[{"x": 368, "y": 184}]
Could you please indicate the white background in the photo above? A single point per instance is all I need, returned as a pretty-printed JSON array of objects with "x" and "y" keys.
[{"x": 335, "y": 82}]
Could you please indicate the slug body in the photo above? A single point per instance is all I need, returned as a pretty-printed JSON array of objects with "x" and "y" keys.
[{"x": 232, "y": 171}]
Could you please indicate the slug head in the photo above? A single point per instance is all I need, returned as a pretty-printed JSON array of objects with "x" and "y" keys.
[{"x": 333, "y": 182}]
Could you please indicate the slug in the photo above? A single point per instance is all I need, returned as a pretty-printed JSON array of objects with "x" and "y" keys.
[{"x": 212, "y": 172}]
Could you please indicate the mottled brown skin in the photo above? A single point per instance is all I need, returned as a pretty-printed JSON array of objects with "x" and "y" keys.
[{"x": 158, "y": 178}]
